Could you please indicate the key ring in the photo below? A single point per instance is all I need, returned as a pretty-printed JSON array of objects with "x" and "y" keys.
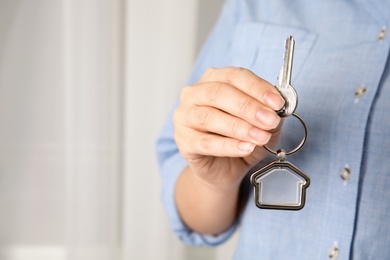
[{"x": 299, "y": 146}]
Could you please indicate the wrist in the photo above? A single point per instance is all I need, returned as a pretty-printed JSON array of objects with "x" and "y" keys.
[
  {"x": 221, "y": 186},
  {"x": 204, "y": 207}
]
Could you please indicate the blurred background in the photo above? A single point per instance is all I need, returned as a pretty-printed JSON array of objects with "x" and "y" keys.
[{"x": 85, "y": 86}]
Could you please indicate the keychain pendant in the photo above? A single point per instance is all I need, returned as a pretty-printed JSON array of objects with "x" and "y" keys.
[{"x": 280, "y": 185}]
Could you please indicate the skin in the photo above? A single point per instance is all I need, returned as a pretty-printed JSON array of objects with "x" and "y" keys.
[{"x": 220, "y": 126}]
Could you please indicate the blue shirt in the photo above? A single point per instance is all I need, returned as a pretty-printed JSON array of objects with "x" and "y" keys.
[{"x": 341, "y": 74}]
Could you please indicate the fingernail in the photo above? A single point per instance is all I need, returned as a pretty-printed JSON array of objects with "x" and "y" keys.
[
  {"x": 259, "y": 136},
  {"x": 246, "y": 147},
  {"x": 268, "y": 118},
  {"x": 273, "y": 100}
]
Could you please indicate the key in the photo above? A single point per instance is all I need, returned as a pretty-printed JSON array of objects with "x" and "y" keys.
[{"x": 284, "y": 85}]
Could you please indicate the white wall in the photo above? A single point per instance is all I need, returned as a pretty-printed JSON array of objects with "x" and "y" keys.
[
  {"x": 60, "y": 131},
  {"x": 32, "y": 191},
  {"x": 160, "y": 48},
  {"x": 85, "y": 86}
]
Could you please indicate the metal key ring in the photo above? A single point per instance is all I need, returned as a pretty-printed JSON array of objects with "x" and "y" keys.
[{"x": 299, "y": 146}]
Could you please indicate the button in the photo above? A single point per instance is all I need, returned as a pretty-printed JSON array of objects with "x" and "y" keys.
[
  {"x": 360, "y": 91},
  {"x": 333, "y": 252},
  {"x": 382, "y": 34},
  {"x": 345, "y": 173}
]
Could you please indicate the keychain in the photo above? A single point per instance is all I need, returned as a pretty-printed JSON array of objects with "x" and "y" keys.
[{"x": 280, "y": 184}]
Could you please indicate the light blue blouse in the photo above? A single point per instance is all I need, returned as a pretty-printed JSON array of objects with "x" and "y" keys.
[{"x": 341, "y": 74}]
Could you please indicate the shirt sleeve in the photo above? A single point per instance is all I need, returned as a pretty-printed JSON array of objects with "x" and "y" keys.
[{"x": 171, "y": 163}]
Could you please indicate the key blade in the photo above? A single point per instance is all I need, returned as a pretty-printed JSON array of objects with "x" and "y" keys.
[
  {"x": 280, "y": 77},
  {"x": 284, "y": 80},
  {"x": 288, "y": 61}
]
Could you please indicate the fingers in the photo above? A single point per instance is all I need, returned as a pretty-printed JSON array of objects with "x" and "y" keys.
[
  {"x": 227, "y": 113},
  {"x": 231, "y": 100},
  {"x": 248, "y": 82},
  {"x": 195, "y": 143},
  {"x": 209, "y": 131},
  {"x": 211, "y": 120}
]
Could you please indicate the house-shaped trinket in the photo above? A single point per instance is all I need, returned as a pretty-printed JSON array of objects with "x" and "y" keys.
[{"x": 280, "y": 185}]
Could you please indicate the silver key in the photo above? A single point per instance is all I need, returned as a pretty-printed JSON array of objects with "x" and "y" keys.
[{"x": 284, "y": 86}]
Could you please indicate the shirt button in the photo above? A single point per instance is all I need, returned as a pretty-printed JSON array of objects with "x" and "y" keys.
[
  {"x": 360, "y": 91},
  {"x": 345, "y": 173},
  {"x": 333, "y": 252},
  {"x": 382, "y": 34}
]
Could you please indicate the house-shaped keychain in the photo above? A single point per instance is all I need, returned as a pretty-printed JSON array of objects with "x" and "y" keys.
[{"x": 280, "y": 185}]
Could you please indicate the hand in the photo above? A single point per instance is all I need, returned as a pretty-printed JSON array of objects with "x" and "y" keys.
[{"x": 222, "y": 122}]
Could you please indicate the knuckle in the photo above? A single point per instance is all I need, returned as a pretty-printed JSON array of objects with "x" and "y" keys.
[
  {"x": 244, "y": 104},
  {"x": 232, "y": 74},
  {"x": 209, "y": 72},
  {"x": 205, "y": 143},
  {"x": 179, "y": 118},
  {"x": 201, "y": 116},
  {"x": 254, "y": 88},
  {"x": 235, "y": 128},
  {"x": 214, "y": 92},
  {"x": 185, "y": 92},
  {"x": 182, "y": 145},
  {"x": 226, "y": 146},
  {"x": 177, "y": 138},
  {"x": 176, "y": 117}
]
